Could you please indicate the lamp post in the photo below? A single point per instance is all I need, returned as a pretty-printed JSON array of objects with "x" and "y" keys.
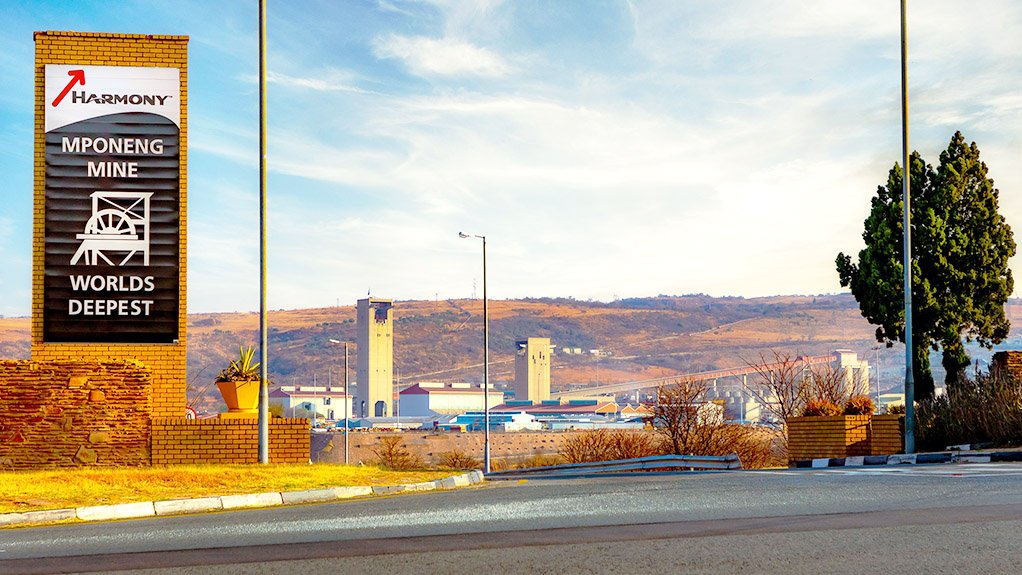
[
  {"x": 264, "y": 394},
  {"x": 877, "y": 350},
  {"x": 910, "y": 392},
  {"x": 347, "y": 398},
  {"x": 486, "y": 361}
]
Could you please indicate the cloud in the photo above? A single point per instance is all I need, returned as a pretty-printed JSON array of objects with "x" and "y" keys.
[
  {"x": 326, "y": 82},
  {"x": 444, "y": 57}
]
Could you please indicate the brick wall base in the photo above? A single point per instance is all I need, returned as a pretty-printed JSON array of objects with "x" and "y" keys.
[
  {"x": 887, "y": 434},
  {"x": 74, "y": 413},
  {"x": 202, "y": 441},
  {"x": 844, "y": 436},
  {"x": 827, "y": 436}
]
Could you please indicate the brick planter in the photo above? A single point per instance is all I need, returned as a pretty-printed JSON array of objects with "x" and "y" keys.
[
  {"x": 828, "y": 436},
  {"x": 887, "y": 434}
]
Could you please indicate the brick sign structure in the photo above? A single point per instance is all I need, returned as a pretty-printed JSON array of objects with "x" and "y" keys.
[{"x": 111, "y": 134}]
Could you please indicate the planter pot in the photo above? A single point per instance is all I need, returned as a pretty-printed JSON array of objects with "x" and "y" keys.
[
  {"x": 241, "y": 397},
  {"x": 828, "y": 436}
]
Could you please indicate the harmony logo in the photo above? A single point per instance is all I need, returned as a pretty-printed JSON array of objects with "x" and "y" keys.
[{"x": 83, "y": 97}]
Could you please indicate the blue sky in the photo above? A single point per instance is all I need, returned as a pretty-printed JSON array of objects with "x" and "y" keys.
[{"x": 606, "y": 149}]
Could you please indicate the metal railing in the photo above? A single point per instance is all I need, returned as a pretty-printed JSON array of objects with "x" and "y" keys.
[{"x": 640, "y": 464}]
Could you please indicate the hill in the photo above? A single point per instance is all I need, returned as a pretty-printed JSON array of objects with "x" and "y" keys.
[{"x": 637, "y": 338}]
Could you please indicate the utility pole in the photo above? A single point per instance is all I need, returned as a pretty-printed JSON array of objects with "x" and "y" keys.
[
  {"x": 910, "y": 392},
  {"x": 264, "y": 385}
]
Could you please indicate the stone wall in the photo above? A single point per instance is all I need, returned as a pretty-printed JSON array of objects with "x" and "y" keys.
[
  {"x": 329, "y": 447},
  {"x": 201, "y": 441},
  {"x": 72, "y": 413}
]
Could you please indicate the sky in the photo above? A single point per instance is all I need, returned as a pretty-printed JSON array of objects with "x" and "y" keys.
[{"x": 606, "y": 149}]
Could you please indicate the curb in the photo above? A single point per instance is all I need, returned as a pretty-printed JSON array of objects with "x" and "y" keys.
[
  {"x": 912, "y": 459},
  {"x": 205, "y": 504}
]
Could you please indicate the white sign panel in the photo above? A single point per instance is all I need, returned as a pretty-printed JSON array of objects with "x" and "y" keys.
[{"x": 75, "y": 93}]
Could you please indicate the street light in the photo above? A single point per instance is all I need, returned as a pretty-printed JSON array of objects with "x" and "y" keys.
[
  {"x": 486, "y": 361},
  {"x": 347, "y": 398},
  {"x": 906, "y": 226}
]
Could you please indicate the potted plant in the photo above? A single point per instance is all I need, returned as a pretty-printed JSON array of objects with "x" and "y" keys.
[{"x": 239, "y": 385}]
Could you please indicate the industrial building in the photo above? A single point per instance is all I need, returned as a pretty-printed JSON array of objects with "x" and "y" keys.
[
  {"x": 432, "y": 398},
  {"x": 304, "y": 401},
  {"x": 532, "y": 369},
  {"x": 375, "y": 366}
]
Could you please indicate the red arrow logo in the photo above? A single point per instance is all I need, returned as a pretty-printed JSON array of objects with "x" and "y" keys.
[{"x": 77, "y": 77}]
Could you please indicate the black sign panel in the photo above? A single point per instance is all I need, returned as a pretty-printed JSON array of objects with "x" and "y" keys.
[{"x": 112, "y": 230}]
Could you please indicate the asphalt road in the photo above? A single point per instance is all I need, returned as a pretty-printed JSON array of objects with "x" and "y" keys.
[{"x": 961, "y": 518}]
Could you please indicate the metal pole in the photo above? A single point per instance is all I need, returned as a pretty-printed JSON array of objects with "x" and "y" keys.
[
  {"x": 910, "y": 415},
  {"x": 347, "y": 403},
  {"x": 877, "y": 350},
  {"x": 264, "y": 387},
  {"x": 486, "y": 369}
]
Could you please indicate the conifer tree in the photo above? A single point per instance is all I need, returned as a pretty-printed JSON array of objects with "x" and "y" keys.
[{"x": 960, "y": 251}]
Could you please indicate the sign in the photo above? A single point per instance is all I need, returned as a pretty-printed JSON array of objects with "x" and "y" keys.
[{"x": 112, "y": 204}]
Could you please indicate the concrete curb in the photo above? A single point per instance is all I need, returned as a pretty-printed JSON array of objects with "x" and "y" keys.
[
  {"x": 121, "y": 511},
  {"x": 206, "y": 504},
  {"x": 912, "y": 459}
]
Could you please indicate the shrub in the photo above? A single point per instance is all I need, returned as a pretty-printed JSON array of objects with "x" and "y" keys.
[
  {"x": 898, "y": 409},
  {"x": 818, "y": 407},
  {"x": 607, "y": 445},
  {"x": 859, "y": 405},
  {"x": 458, "y": 459},
  {"x": 524, "y": 462},
  {"x": 986, "y": 409},
  {"x": 393, "y": 454},
  {"x": 757, "y": 447}
]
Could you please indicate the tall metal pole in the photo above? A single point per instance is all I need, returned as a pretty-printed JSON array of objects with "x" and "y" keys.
[
  {"x": 486, "y": 369},
  {"x": 910, "y": 395},
  {"x": 347, "y": 403},
  {"x": 877, "y": 350},
  {"x": 264, "y": 387}
]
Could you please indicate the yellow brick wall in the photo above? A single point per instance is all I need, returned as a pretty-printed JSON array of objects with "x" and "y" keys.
[
  {"x": 177, "y": 441},
  {"x": 887, "y": 434},
  {"x": 828, "y": 436},
  {"x": 167, "y": 361}
]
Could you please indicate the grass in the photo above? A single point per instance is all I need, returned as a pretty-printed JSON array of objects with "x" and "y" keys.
[{"x": 65, "y": 488}]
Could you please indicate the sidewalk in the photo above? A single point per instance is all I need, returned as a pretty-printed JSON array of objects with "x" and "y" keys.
[
  {"x": 963, "y": 456},
  {"x": 228, "y": 502}
]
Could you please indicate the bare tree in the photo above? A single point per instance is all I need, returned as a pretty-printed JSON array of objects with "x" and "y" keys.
[
  {"x": 782, "y": 385},
  {"x": 676, "y": 413}
]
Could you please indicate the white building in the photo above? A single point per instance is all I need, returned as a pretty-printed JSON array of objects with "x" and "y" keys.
[
  {"x": 302, "y": 401},
  {"x": 430, "y": 398}
]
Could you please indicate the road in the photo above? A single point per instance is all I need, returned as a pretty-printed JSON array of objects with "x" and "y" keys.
[{"x": 960, "y": 518}]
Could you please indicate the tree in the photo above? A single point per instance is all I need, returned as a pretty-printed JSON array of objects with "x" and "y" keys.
[
  {"x": 783, "y": 387},
  {"x": 676, "y": 413},
  {"x": 960, "y": 251}
]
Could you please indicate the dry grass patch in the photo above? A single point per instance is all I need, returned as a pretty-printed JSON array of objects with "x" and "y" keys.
[{"x": 64, "y": 488}]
